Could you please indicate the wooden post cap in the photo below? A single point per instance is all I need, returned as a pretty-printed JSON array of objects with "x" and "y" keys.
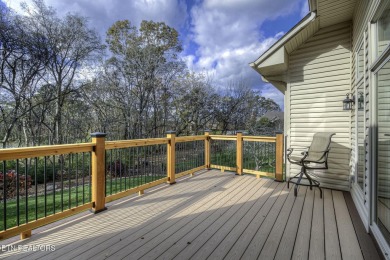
[{"x": 98, "y": 134}]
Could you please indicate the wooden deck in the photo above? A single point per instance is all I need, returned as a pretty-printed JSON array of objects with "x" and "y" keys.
[{"x": 212, "y": 215}]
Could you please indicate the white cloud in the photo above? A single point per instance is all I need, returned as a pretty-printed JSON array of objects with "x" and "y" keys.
[
  {"x": 229, "y": 37},
  {"x": 103, "y": 13}
]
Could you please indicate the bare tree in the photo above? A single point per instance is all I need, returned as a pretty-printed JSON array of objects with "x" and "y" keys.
[
  {"x": 71, "y": 44},
  {"x": 23, "y": 57}
]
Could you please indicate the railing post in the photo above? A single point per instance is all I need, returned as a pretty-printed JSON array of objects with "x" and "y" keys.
[
  {"x": 239, "y": 153},
  {"x": 98, "y": 173},
  {"x": 171, "y": 158},
  {"x": 279, "y": 157},
  {"x": 207, "y": 149}
]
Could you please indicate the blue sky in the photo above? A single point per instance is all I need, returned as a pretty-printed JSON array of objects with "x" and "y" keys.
[{"x": 220, "y": 37}]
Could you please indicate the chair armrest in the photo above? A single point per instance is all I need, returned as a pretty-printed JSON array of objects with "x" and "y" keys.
[{"x": 291, "y": 149}]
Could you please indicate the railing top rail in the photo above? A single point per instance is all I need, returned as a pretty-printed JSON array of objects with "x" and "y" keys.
[
  {"x": 135, "y": 142},
  {"x": 260, "y": 139},
  {"x": 245, "y": 138},
  {"x": 189, "y": 138},
  {"x": 223, "y": 137},
  {"x": 47, "y": 150}
]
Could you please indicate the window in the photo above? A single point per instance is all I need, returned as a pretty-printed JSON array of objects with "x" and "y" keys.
[
  {"x": 383, "y": 34},
  {"x": 383, "y": 151}
]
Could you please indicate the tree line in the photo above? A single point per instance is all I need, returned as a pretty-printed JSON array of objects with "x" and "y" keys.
[{"x": 59, "y": 82}]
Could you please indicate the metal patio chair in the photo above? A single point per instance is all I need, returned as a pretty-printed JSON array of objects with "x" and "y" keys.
[{"x": 314, "y": 158}]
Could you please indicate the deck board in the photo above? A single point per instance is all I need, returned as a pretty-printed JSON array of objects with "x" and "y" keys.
[
  {"x": 221, "y": 250},
  {"x": 212, "y": 215},
  {"x": 243, "y": 241},
  {"x": 317, "y": 241},
  {"x": 332, "y": 244},
  {"x": 212, "y": 225},
  {"x": 254, "y": 248},
  {"x": 302, "y": 241},
  {"x": 286, "y": 245},
  {"x": 217, "y": 206},
  {"x": 349, "y": 244},
  {"x": 271, "y": 245}
]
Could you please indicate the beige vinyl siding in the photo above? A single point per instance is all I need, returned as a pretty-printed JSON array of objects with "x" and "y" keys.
[{"x": 319, "y": 78}]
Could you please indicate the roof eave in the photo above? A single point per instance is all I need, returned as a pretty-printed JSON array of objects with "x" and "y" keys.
[{"x": 280, "y": 43}]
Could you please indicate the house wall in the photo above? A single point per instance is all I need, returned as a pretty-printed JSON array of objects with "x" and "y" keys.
[
  {"x": 319, "y": 76},
  {"x": 360, "y": 119}
]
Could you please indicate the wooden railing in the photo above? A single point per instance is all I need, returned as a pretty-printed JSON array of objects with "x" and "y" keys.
[{"x": 110, "y": 170}]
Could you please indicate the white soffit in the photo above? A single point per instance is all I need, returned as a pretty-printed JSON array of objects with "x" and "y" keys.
[{"x": 335, "y": 11}]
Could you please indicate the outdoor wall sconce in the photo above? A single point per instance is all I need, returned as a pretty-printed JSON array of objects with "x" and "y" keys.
[
  {"x": 361, "y": 101},
  {"x": 348, "y": 102}
]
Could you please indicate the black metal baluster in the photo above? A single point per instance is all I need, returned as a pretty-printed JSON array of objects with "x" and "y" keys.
[
  {"x": 62, "y": 182},
  {"x": 107, "y": 168},
  {"x": 132, "y": 179},
  {"x": 45, "y": 187},
  {"x": 161, "y": 155},
  {"x": 36, "y": 187},
  {"x": 138, "y": 166},
  {"x": 127, "y": 167},
  {"x": 110, "y": 171},
  {"x": 54, "y": 184},
  {"x": 120, "y": 170},
  {"x": 17, "y": 194},
  {"x": 69, "y": 181},
  {"x": 77, "y": 179},
  {"x": 26, "y": 189},
  {"x": 89, "y": 177},
  {"x": 83, "y": 171},
  {"x": 145, "y": 148},
  {"x": 151, "y": 162},
  {"x": 195, "y": 155},
  {"x": 115, "y": 170},
  {"x": 4, "y": 197}
]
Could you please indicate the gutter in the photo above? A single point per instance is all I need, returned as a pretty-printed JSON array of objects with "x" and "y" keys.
[{"x": 296, "y": 29}]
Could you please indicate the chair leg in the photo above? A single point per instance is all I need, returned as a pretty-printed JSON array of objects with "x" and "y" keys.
[
  {"x": 308, "y": 178},
  {"x": 297, "y": 183},
  {"x": 311, "y": 183},
  {"x": 289, "y": 179}
]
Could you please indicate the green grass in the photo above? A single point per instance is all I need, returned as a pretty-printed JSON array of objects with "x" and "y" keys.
[
  {"x": 226, "y": 158},
  {"x": 118, "y": 185},
  {"x": 59, "y": 201},
  {"x": 187, "y": 165}
]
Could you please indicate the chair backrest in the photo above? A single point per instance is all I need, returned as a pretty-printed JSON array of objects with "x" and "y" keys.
[{"x": 319, "y": 146}]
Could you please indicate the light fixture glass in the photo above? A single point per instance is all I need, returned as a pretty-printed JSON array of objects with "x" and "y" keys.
[
  {"x": 361, "y": 101},
  {"x": 348, "y": 102}
]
